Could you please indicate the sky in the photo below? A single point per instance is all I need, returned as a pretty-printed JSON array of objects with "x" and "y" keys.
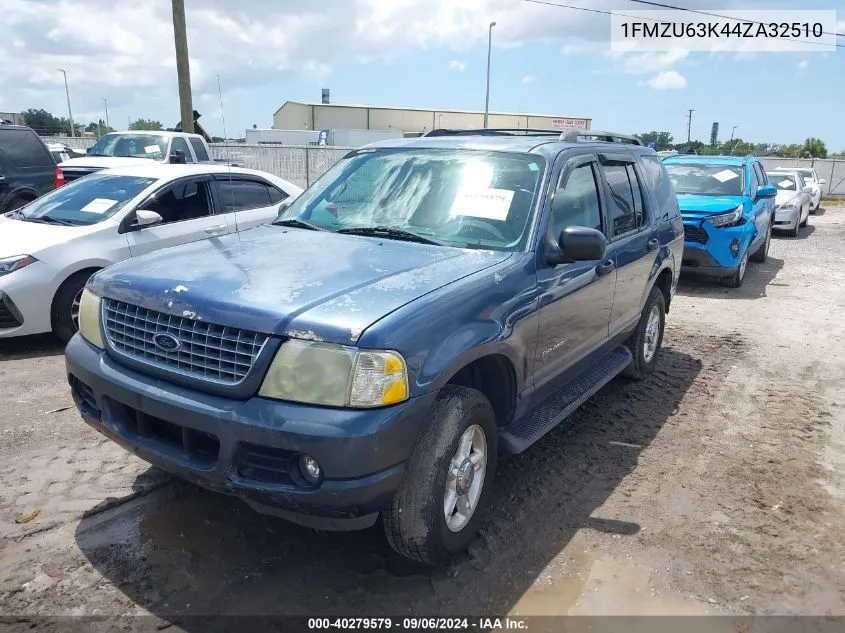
[{"x": 420, "y": 53}]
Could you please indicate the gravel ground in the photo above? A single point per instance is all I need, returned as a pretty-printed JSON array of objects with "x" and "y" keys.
[{"x": 715, "y": 486}]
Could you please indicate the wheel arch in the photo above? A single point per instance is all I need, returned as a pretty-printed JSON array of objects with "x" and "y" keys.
[{"x": 495, "y": 377}]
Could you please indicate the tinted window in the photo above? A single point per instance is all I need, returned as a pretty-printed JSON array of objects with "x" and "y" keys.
[
  {"x": 657, "y": 178},
  {"x": 184, "y": 200},
  {"x": 627, "y": 205},
  {"x": 276, "y": 195},
  {"x": 88, "y": 200},
  {"x": 180, "y": 145},
  {"x": 576, "y": 203},
  {"x": 753, "y": 182},
  {"x": 199, "y": 149},
  {"x": 467, "y": 198},
  {"x": 240, "y": 195},
  {"x": 761, "y": 175},
  {"x": 705, "y": 179},
  {"x": 24, "y": 149}
]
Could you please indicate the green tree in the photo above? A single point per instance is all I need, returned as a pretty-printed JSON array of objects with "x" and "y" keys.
[
  {"x": 98, "y": 128},
  {"x": 662, "y": 140},
  {"x": 44, "y": 122},
  {"x": 145, "y": 124},
  {"x": 813, "y": 147}
]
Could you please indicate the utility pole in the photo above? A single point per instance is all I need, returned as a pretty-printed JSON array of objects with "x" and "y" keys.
[
  {"x": 106, "y": 101},
  {"x": 489, "y": 46},
  {"x": 689, "y": 126},
  {"x": 183, "y": 69},
  {"x": 69, "y": 113}
]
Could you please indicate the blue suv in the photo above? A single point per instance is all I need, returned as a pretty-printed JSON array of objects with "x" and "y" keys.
[
  {"x": 728, "y": 207},
  {"x": 423, "y": 306}
]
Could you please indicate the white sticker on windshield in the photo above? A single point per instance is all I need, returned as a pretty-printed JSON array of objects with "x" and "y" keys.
[
  {"x": 786, "y": 184},
  {"x": 490, "y": 204},
  {"x": 152, "y": 149},
  {"x": 99, "y": 205},
  {"x": 725, "y": 175}
]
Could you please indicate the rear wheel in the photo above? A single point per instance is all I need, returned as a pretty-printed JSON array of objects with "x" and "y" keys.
[
  {"x": 65, "y": 311},
  {"x": 735, "y": 280},
  {"x": 442, "y": 497},
  {"x": 647, "y": 339},
  {"x": 763, "y": 252},
  {"x": 17, "y": 202}
]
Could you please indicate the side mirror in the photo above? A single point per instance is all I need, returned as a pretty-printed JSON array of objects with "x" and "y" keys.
[
  {"x": 579, "y": 244},
  {"x": 822, "y": 181},
  {"x": 284, "y": 204},
  {"x": 144, "y": 218},
  {"x": 807, "y": 190},
  {"x": 766, "y": 191},
  {"x": 177, "y": 157}
]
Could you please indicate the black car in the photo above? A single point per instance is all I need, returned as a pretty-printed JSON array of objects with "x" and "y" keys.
[{"x": 27, "y": 169}]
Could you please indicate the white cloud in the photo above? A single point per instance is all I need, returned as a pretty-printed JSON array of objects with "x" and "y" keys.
[
  {"x": 668, "y": 80},
  {"x": 529, "y": 79},
  {"x": 458, "y": 65},
  {"x": 643, "y": 63}
]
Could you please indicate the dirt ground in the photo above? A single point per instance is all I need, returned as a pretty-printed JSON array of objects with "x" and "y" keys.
[{"x": 715, "y": 486}]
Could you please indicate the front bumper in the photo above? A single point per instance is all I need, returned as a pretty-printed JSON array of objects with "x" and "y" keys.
[
  {"x": 26, "y": 296},
  {"x": 717, "y": 251},
  {"x": 697, "y": 261},
  {"x": 786, "y": 219},
  {"x": 250, "y": 448}
]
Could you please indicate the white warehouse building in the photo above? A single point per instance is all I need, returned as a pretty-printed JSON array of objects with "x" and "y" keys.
[{"x": 299, "y": 115}]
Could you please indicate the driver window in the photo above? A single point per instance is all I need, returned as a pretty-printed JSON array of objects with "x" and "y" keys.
[
  {"x": 576, "y": 202},
  {"x": 185, "y": 200},
  {"x": 754, "y": 182}
]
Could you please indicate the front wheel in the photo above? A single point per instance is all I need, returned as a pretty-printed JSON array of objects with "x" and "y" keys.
[
  {"x": 647, "y": 339},
  {"x": 447, "y": 485},
  {"x": 65, "y": 312},
  {"x": 763, "y": 251},
  {"x": 736, "y": 279}
]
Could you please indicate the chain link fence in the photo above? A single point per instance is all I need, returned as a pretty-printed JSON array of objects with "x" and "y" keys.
[{"x": 302, "y": 165}]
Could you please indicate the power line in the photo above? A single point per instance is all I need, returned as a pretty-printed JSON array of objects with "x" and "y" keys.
[
  {"x": 639, "y": 17},
  {"x": 715, "y": 15}
]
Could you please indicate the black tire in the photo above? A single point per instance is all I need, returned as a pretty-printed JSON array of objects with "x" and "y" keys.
[
  {"x": 415, "y": 524},
  {"x": 761, "y": 253},
  {"x": 794, "y": 232},
  {"x": 641, "y": 367},
  {"x": 61, "y": 314},
  {"x": 16, "y": 203},
  {"x": 735, "y": 280},
  {"x": 807, "y": 219}
]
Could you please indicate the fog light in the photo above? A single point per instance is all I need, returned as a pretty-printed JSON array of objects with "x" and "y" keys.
[
  {"x": 735, "y": 248},
  {"x": 310, "y": 469}
]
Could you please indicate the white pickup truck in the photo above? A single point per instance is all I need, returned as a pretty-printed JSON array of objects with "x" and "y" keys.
[{"x": 138, "y": 147}]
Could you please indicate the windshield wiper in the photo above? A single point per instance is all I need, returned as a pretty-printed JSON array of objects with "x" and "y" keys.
[
  {"x": 298, "y": 224},
  {"x": 16, "y": 213},
  {"x": 46, "y": 219},
  {"x": 392, "y": 233}
]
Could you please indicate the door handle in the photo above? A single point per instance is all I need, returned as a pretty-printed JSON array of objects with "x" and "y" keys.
[
  {"x": 605, "y": 267},
  {"x": 653, "y": 244},
  {"x": 216, "y": 229}
]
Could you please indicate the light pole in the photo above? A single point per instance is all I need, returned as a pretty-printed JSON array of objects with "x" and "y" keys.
[
  {"x": 732, "y": 139},
  {"x": 489, "y": 46},
  {"x": 69, "y": 113},
  {"x": 106, "y": 102}
]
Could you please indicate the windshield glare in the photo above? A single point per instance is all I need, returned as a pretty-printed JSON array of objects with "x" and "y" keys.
[
  {"x": 468, "y": 199},
  {"x": 130, "y": 145},
  {"x": 88, "y": 200},
  {"x": 706, "y": 179}
]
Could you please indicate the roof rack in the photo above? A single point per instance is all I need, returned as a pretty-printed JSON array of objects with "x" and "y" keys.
[
  {"x": 502, "y": 131},
  {"x": 573, "y": 136}
]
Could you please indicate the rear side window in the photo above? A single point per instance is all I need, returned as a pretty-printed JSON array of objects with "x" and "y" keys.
[
  {"x": 199, "y": 149},
  {"x": 628, "y": 209},
  {"x": 24, "y": 149},
  {"x": 658, "y": 180},
  {"x": 241, "y": 195}
]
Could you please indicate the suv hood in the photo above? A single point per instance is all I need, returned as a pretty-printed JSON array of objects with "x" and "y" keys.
[
  {"x": 104, "y": 162},
  {"x": 29, "y": 238},
  {"x": 293, "y": 282},
  {"x": 694, "y": 207}
]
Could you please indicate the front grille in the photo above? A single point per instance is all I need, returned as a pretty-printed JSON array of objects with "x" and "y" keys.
[
  {"x": 7, "y": 317},
  {"x": 695, "y": 234},
  {"x": 214, "y": 353},
  {"x": 198, "y": 447},
  {"x": 264, "y": 463}
]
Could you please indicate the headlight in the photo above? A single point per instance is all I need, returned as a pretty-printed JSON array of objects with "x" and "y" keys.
[
  {"x": 725, "y": 219},
  {"x": 89, "y": 319},
  {"x": 336, "y": 376},
  {"x": 11, "y": 264}
]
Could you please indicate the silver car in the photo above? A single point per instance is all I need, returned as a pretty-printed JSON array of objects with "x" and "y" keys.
[{"x": 793, "y": 200}]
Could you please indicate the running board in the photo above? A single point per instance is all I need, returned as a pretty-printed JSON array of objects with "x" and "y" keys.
[{"x": 522, "y": 433}]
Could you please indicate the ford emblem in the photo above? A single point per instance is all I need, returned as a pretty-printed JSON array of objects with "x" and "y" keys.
[{"x": 167, "y": 342}]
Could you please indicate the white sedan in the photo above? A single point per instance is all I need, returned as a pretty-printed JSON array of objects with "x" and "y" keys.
[
  {"x": 813, "y": 181},
  {"x": 792, "y": 203},
  {"x": 50, "y": 247}
]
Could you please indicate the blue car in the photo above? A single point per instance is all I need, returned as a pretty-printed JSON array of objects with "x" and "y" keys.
[{"x": 727, "y": 204}]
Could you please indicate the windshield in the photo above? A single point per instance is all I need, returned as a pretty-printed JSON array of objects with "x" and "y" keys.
[
  {"x": 462, "y": 198},
  {"x": 85, "y": 201},
  {"x": 706, "y": 179},
  {"x": 783, "y": 182},
  {"x": 131, "y": 145}
]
